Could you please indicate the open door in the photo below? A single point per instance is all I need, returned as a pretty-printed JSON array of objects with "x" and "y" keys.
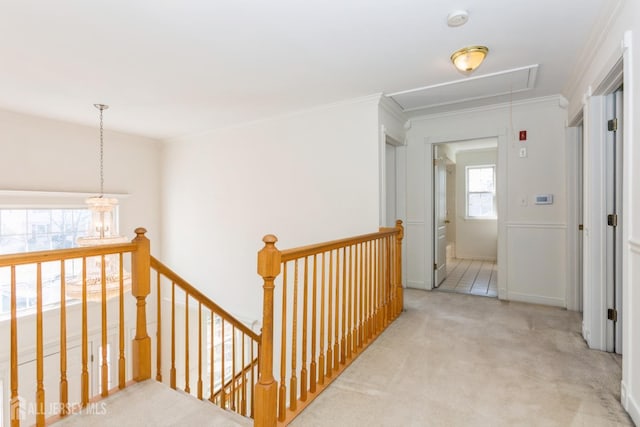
[
  {"x": 613, "y": 195},
  {"x": 440, "y": 217}
]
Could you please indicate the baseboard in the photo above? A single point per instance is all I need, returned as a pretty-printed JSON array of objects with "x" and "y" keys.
[
  {"x": 630, "y": 404},
  {"x": 537, "y": 299},
  {"x": 416, "y": 285}
]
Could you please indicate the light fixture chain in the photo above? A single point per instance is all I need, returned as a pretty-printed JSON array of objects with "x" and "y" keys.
[{"x": 101, "y": 155}]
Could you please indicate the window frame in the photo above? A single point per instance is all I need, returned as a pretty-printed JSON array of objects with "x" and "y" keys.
[
  {"x": 467, "y": 193},
  {"x": 12, "y": 199}
]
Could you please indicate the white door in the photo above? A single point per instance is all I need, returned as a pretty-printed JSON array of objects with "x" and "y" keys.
[
  {"x": 613, "y": 193},
  {"x": 440, "y": 217}
]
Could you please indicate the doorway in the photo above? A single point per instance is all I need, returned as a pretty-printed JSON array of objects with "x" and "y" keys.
[
  {"x": 465, "y": 217},
  {"x": 603, "y": 216},
  {"x": 613, "y": 192}
]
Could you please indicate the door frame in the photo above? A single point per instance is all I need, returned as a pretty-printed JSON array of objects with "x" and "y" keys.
[
  {"x": 501, "y": 194},
  {"x": 594, "y": 326}
]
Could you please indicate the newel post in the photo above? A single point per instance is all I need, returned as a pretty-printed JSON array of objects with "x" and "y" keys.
[
  {"x": 140, "y": 288},
  {"x": 265, "y": 404},
  {"x": 400, "y": 292}
]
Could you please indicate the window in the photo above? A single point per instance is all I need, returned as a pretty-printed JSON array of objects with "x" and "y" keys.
[
  {"x": 481, "y": 191},
  {"x": 27, "y": 230}
]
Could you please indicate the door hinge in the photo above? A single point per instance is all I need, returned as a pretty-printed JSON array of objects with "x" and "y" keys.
[
  {"x": 612, "y": 125},
  {"x": 612, "y": 220},
  {"x": 92, "y": 358},
  {"x": 435, "y": 266},
  {"x": 612, "y": 314},
  {"x": 580, "y": 227},
  {"x": 435, "y": 162}
]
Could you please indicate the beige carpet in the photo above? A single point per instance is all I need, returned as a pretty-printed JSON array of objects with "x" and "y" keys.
[
  {"x": 151, "y": 403},
  {"x": 459, "y": 360}
]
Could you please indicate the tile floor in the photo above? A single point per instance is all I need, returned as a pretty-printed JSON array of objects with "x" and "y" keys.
[{"x": 473, "y": 277}]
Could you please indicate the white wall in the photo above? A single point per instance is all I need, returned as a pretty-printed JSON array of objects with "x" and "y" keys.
[
  {"x": 475, "y": 238},
  {"x": 306, "y": 177},
  {"x": 619, "y": 40},
  {"x": 525, "y": 232}
]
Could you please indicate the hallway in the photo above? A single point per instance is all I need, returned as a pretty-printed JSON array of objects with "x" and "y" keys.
[
  {"x": 438, "y": 365},
  {"x": 474, "y": 277}
]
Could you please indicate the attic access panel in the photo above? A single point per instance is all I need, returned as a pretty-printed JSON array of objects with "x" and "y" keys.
[{"x": 472, "y": 88}]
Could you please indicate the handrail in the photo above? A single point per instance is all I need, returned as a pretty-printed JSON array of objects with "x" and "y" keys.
[
  {"x": 64, "y": 254},
  {"x": 336, "y": 298},
  {"x": 305, "y": 251},
  {"x": 200, "y": 297}
]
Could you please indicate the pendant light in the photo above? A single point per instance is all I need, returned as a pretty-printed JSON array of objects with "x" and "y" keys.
[{"x": 102, "y": 231}]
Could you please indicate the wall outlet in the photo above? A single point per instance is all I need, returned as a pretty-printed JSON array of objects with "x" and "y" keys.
[{"x": 523, "y": 152}]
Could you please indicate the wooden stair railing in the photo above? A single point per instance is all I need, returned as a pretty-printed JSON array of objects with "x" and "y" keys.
[
  {"x": 90, "y": 317},
  {"x": 332, "y": 300},
  {"x": 230, "y": 352}
]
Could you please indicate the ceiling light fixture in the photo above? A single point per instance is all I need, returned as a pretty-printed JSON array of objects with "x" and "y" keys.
[
  {"x": 469, "y": 58},
  {"x": 101, "y": 283}
]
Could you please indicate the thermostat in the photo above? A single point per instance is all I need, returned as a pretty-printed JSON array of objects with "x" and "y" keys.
[{"x": 544, "y": 199}]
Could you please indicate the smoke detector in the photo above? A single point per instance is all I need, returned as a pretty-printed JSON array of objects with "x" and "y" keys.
[{"x": 457, "y": 18}]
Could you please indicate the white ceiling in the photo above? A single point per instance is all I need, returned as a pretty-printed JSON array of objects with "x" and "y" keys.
[{"x": 176, "y": 67}]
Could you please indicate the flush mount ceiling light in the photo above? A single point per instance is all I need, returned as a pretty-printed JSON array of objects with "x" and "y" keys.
[{"x": 469, "y": 58}]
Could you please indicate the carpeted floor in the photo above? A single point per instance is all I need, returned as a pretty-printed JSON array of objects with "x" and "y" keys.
[
  {"x": 460, "y": 360},
  {"x": 153, "y": 404}
]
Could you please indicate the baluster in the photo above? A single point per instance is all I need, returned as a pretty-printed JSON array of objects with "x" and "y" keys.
[
  {"x": 293, "y": 387},
  {"x": 312, "y": 374},
  {"x": 345, "y": 301},
  {"x": 361, "y": 298},
  {"x": 223, "y": 391},
  {"x": 321, "y": 356},
  {"x": 282, "y": 392},
  {"x": 85, "y": 371},
  {"x": 104, "y": 367},
  {"x": 329, "y": 318},
  {"x": 212, "y": 369},
  {"x": 172, "y": 371},
  {"x": 376, "y": 294},
  {"x": 233, "y": 367},
  {"x": 199, "y": 386},
  {"x": 121, "y": 358},
  {"x": 243, "y": 404},
  {"x": 336, "y": 344},
  {"x": 389, "y": 284},
  {"x": 40, "y": 412},
  {"x": 187, "y": 389},
  {"x": 369, "y": 290},
  {"x": 64, "y": 385},
  {"x": 392, "y": 278},
  {"x": 158, "y": 330},
  {"x": 253, "y": 381},
  {"x": 303, "y": 372},
  {"x": 349, "y": 301},
  {"x": 15, "y": 402}
]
